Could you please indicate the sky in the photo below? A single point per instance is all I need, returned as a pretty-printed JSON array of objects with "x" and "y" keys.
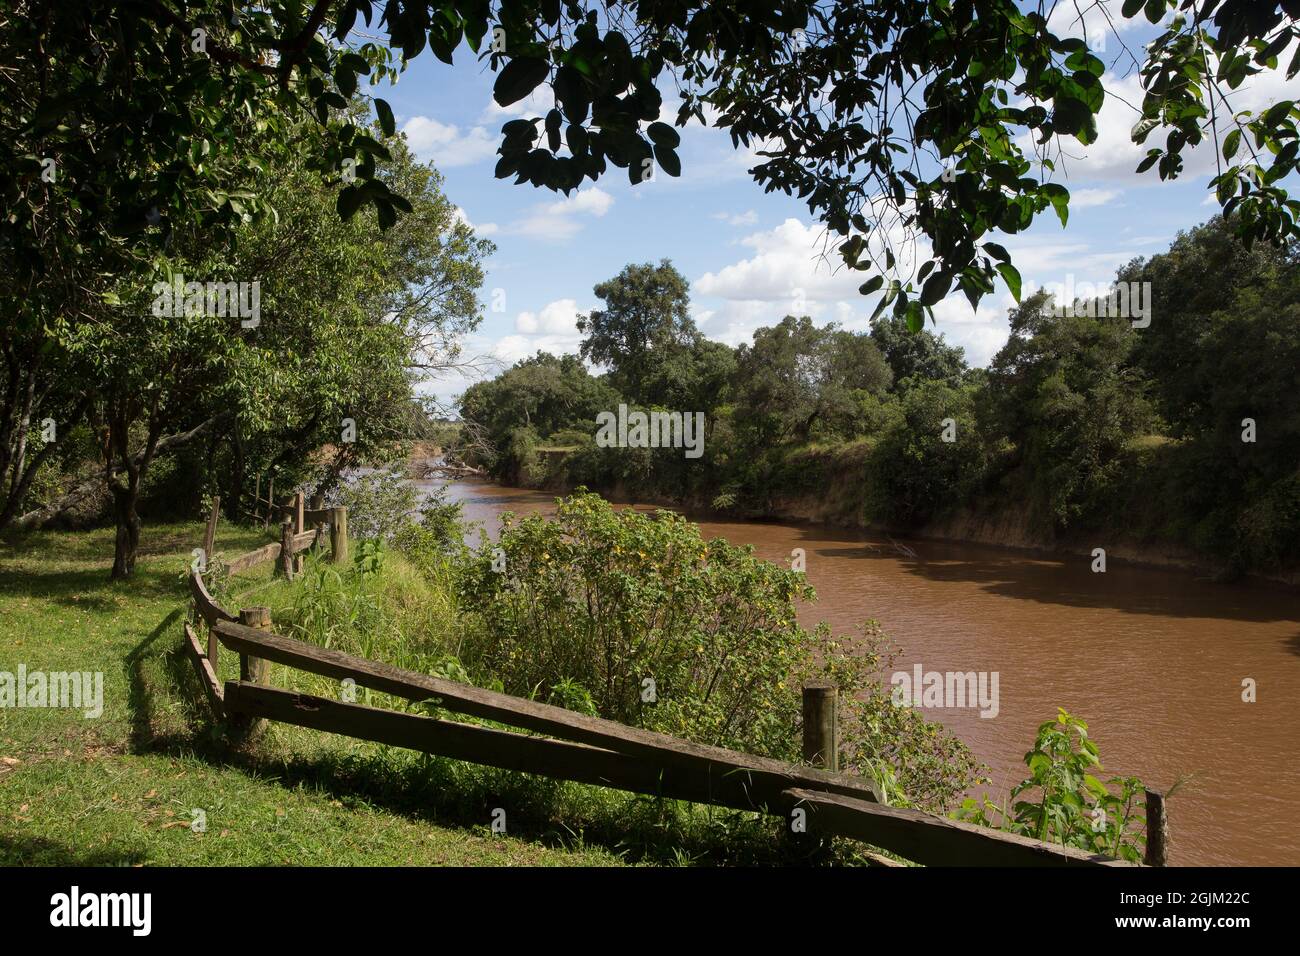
[{"x": 752, "y": 258}]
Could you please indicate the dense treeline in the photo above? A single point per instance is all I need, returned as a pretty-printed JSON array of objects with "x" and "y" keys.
[
  {"x": 285, "y": 347},
  {"x": 1185, "y": 432}
]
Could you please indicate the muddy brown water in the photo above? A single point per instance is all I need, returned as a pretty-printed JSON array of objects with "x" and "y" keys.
[{"x": 1153, "y": 659}]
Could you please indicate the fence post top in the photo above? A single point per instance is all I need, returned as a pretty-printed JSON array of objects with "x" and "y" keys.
[{"x": 255, "y": 616}]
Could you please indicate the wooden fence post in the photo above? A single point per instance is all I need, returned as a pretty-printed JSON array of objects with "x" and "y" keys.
[
  {"x": 339, "y": 535},
  {"x": 299, "y": 526},
  {"x": 270, "y": 497},
  {"x": 821, "y": 733},
  {"x": 210, "y": 533},
  {"x": 286, "y": 547},
  {"x": 257, "y": 498},
  {"x": 209, "y": 542},
  {"x": 1157, "y": 852},
  {"x": 252, "y": 669}
]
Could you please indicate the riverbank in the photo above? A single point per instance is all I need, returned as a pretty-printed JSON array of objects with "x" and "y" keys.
[{"x": 840, "y": 504}]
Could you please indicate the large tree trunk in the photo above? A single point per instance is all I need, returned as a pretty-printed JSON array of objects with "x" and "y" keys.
[
  {"x": 126, "y": 489},
  {"x": 127, "y": 542}
]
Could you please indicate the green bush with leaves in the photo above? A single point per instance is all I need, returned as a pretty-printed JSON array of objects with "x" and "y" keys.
[
  {"x": 1064, "y": 802},
  {"x": 658, "y": 628},
  {"x": 379, "y": 503}
]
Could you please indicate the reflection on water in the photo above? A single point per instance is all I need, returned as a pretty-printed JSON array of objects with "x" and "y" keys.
[{"x": 1153, "y": 659}]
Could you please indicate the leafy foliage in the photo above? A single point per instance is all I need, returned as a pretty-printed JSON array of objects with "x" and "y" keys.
[
  {"x": 598, "y": 602},
  {"x": 1064, "y": 802},
  {"x": 818, "y": 87}
]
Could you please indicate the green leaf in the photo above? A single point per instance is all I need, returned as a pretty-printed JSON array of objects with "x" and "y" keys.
[
  {"x": 519, "y": 78},
  {"x": 1231, "y": 143},
  {"x": 935, "y": 288},
  {"x": 1070, "y": 116},
  {"x": 668, "y": 160},
  {"x": 1059, "y": 197},
  {"x": 385, "y": 113},
  {"x": 997, "y": 251},
  {"x": 663, "y": 135},
  {"x": 871, "y": 285},
  {"x": 915, "y": 317},
  {"x": 348, "y": 202},
  {"x": 1011, "y": 276}
]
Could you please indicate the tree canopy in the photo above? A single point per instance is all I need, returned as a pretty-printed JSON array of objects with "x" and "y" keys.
[{"x": 894, "y": 120}]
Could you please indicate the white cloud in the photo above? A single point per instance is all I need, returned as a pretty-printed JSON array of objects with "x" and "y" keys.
[
  {"x": 482, "y": 230},
  {"x": 446, "y": 145},
  {"x": 555, "y": 318},
  {"x": 593, "y": 200},
  {"x": 562, "y": 219},
  {"x": 1083, "y": 198},
  {"x": 537, "y": 103},
  {"x": 1096, "y": 22},
  {"x": 747, "y": 218},
  {"x": 786, "y": 268},
  {"x": 511, "y": 348}
]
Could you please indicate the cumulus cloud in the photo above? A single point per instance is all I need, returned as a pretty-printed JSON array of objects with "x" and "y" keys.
[
  {"x": 1083, "y": 198},
  {"x": 482, "y": 230},
  {"x": 787, "y": 266},
  {"x": 446, "y": 145},
  {"x": 565, "y": 217},
  {"x": 511, "y": 348},
  {"x": 537, "y": 103},
  {"x": 555, "y": 318}
]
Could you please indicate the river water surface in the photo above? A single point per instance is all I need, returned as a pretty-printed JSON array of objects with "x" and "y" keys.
[{"x": 1153, "y": 659}]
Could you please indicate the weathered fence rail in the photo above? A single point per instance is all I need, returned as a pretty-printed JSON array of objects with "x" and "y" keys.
[{"x": 575, "y": 747}]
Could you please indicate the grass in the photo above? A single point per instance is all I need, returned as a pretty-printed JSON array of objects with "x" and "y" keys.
[{"x": 121, "y": 789}]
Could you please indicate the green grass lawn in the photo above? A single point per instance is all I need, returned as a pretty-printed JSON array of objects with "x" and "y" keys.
[{"x": 120, "y": 789}]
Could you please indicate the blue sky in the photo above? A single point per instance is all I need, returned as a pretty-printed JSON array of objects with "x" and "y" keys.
[{"x": 751, "y": 257}]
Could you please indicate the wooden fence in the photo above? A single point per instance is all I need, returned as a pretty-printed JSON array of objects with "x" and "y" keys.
[{"x": 572, "y": 746}]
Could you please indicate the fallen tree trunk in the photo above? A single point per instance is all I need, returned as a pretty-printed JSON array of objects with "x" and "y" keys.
[{"x": 35, "y": 519}]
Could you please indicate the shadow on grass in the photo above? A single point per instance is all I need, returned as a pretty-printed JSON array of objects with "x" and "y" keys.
[
  {"x": 40, "y": 851},
  {"x": 140, "y": 700}
]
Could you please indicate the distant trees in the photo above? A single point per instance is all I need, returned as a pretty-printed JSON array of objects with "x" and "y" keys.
[
  {"x": 909, "y": 354},
  {"x": 1082, "y": 421},
  {"x": 1065, "y": 394},
  {"x": 797, "y": 380}
]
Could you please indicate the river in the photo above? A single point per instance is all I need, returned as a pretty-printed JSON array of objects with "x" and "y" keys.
[{"x": 1153, "y": 659}]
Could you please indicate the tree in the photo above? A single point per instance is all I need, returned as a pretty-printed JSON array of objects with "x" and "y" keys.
[
  {"x": 1066, "y": 394},
  {"x": 540, "y": 395},
  {"x": 858, "y": 106},
  {"x": 922, "y": 354},
  {"x": 1200, "y": 275},
  {"x": 346, "y": 316},
  {"x": 931, "y": 461},
  {"x": 645, "y": 326},
  {"x": 796, "y": 376}
]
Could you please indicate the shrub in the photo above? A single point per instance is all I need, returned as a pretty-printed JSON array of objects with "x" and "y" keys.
[
  {"x": 378, "y": 503},
  {"x": 1072, "y": 806},
  {"x": 664, "y": 630}
]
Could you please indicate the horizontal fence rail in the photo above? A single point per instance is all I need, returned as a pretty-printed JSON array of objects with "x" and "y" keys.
[{"x": 576, "y": 747}]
